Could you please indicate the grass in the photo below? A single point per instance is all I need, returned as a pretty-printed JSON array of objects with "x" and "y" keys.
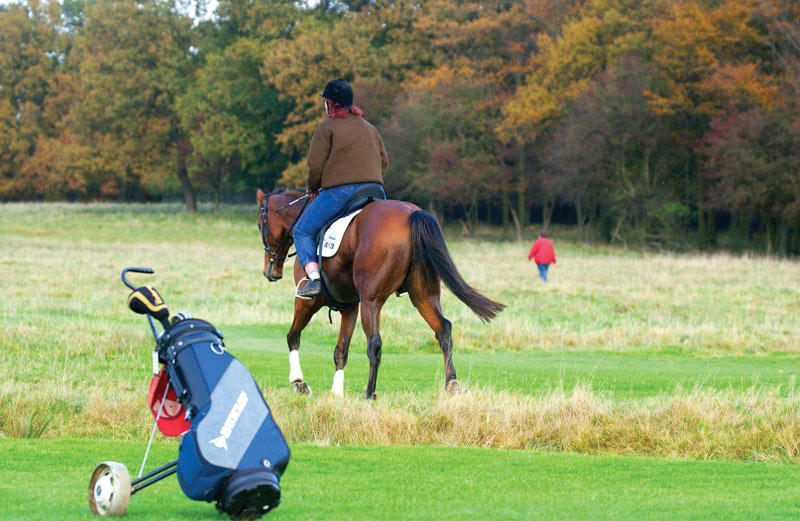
[
  {"x": 686, "y": 355},
  {"x": 626, "y": 354},
  {"x": 600, "y": 298},
  {"x": 418, "y": 483}
]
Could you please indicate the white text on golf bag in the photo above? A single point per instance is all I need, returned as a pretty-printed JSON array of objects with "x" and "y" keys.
[{"x": 227, "y": 428}]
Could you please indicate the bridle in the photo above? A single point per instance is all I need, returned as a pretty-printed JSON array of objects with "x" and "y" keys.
[{"x": 266, "y": 237}]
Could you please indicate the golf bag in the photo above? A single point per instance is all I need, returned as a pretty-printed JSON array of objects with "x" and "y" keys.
[{"x": 234, "y": 452}]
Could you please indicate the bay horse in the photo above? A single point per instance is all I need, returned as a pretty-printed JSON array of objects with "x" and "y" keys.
[{"x": 389, "y": 245}]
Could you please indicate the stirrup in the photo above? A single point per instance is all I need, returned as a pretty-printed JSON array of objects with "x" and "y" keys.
[{"x": 297, "y": 288}]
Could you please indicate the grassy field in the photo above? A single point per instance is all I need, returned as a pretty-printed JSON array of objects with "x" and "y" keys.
[
  {"x": 624, "y": 352},
  {"x": 420, "y": 483}
]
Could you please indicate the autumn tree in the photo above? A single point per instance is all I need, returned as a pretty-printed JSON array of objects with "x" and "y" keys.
[
  {"x": 372, "y": 48},
  {"x": 134, "y": 61},
  {"x": 31, "y": 48},
  {"x": 753, "y": 163},
  {"x": 441, "y": 142},
  {"x": 708, "y": 57},
  {"x": 611, "y": 156},
  {"x": 563, "y": 69},
  {"x": 496, "y": 40}
]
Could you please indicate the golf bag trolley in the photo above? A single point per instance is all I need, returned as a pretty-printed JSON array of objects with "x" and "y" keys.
[{"x": 232, "y": 451}]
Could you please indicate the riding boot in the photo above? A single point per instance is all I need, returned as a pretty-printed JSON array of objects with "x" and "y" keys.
[{"x": 312, "y": 289}]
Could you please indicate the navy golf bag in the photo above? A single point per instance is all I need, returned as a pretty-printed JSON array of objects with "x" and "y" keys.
[{"x": 234, "y": 453}]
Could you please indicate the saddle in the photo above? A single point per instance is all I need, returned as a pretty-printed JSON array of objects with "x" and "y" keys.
[{"x": 360, "y": 198}]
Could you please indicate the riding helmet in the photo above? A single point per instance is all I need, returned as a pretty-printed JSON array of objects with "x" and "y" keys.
[{"x": 338, "y": 91}]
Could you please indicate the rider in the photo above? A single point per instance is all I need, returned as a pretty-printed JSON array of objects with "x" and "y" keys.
[{"x": 346, "y": 153}]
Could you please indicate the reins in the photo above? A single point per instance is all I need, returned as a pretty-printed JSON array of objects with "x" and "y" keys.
[{"x": 268, "y": 237}]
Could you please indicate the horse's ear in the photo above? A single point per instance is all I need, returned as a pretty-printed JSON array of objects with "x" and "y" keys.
[{"x": 260, "y": 197}]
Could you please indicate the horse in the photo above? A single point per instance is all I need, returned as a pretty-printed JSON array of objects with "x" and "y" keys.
[{"x": 389, "y": 245}]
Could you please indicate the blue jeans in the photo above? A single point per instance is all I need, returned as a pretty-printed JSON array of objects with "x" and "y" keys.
[
  {"x": 543, "y": 271},
  {"x": 322, "y": 209}
]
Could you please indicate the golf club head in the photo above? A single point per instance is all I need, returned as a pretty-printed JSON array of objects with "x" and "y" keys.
[{"x": 146, "y": 300}]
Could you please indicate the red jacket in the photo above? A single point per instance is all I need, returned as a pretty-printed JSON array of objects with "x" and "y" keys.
[{"x": 542, "y": 251}]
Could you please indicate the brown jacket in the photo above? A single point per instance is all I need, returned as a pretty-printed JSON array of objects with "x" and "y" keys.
[{"x": 345, "y": 151}]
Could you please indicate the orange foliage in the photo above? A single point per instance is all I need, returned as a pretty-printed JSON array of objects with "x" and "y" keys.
[{"x": 709, "y": 58}]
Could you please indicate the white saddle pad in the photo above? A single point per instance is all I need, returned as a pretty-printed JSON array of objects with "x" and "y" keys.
[{"x": 333, "y": 237}]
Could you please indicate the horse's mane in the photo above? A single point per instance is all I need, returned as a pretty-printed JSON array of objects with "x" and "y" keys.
[{"x": 277, "y": 191}]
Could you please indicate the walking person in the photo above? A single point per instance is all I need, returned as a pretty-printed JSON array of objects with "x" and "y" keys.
[
  {"x": 543, "y": 253},
  {"x": 346, "y": 153}
]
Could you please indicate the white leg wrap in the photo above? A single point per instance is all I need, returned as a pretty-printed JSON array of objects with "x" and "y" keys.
[
  {"x": 338, "y": 382},
  {"x": 295, "y": 373}
]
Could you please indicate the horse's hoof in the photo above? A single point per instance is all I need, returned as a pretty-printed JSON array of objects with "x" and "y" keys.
[
  {"x": 367, "y": 396},
  {"x": 453, "y": 387},
  {"x": 302, "y": 388}
]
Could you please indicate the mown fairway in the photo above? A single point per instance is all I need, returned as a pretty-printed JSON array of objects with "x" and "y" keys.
[
  {"x": 623, "y": 353},
  {"x": 421, "y": 483}
]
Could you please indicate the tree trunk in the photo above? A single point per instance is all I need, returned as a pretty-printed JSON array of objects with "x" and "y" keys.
[
  {"x": 785, "y": 241},
  {"x": 183, "y": 175},
  {"x": 711, "y": 226},
  {"x": 742, "y": 225},
  {"x": 521, "y": 196},
  {"x": 472, "y": 213},
  {"x": 517, "y": 225},
  {"x": 547, "y": 212},
  {"x": 188, "y": 191},
  {"x": 579, "y": 214},
  {"x": 505, "y": 210},
  {"x": 702, "y": 232},
  {"x": 772, "y": 234},
  {"x": 432, "y": 211}
]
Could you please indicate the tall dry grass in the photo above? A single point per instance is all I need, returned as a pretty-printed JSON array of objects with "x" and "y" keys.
[
  {"x": 762, "y": 424},
  {"x": 697, "y": 424}
]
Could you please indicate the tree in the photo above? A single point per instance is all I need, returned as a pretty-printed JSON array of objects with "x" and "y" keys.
[
  {"x": 708, "y": 57},
  {"x": 752, "y": 161},
  {"x": 441, "y": 142},
  {"x": 612, "y": 155},
  {"x": 234, "y": 116},
  {"x": 30, "y": 52},
  {"x": 495, "y": 40},
  {"x": 134, "y": 61},
  {"x": 563, "y": 69},
  {"x": 371, "y": 48}
]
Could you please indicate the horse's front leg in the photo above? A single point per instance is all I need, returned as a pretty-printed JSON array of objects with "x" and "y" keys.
[
  {"x": 303, "y": 311},
  {"x": 348, "y": 325}
]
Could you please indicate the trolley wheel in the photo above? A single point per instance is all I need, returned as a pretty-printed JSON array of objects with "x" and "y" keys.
[{"x": 109, "y": 489}]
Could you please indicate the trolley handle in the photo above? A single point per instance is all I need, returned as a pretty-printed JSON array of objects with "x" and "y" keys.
[{"x": 135, "y": 270}]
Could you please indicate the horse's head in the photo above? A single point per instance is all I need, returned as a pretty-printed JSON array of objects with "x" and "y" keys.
[{"x": 275, "y": 234}]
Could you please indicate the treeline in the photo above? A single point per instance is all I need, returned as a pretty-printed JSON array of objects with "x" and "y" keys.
[{"x": 659, "y": 122}]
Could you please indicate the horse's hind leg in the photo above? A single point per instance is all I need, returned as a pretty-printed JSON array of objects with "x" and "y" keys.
[
  {"x": 348, "y": 325},
  {"x": 370, "y": 321},
  {"x": 426, "y": 300},
  {"x": 303, "y": 311}
]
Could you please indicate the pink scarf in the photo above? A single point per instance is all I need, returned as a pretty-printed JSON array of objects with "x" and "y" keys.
[{"x": 337, "y": 111}]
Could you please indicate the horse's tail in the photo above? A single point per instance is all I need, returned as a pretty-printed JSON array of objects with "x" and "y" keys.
[{"x": 429, "y": 252}]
